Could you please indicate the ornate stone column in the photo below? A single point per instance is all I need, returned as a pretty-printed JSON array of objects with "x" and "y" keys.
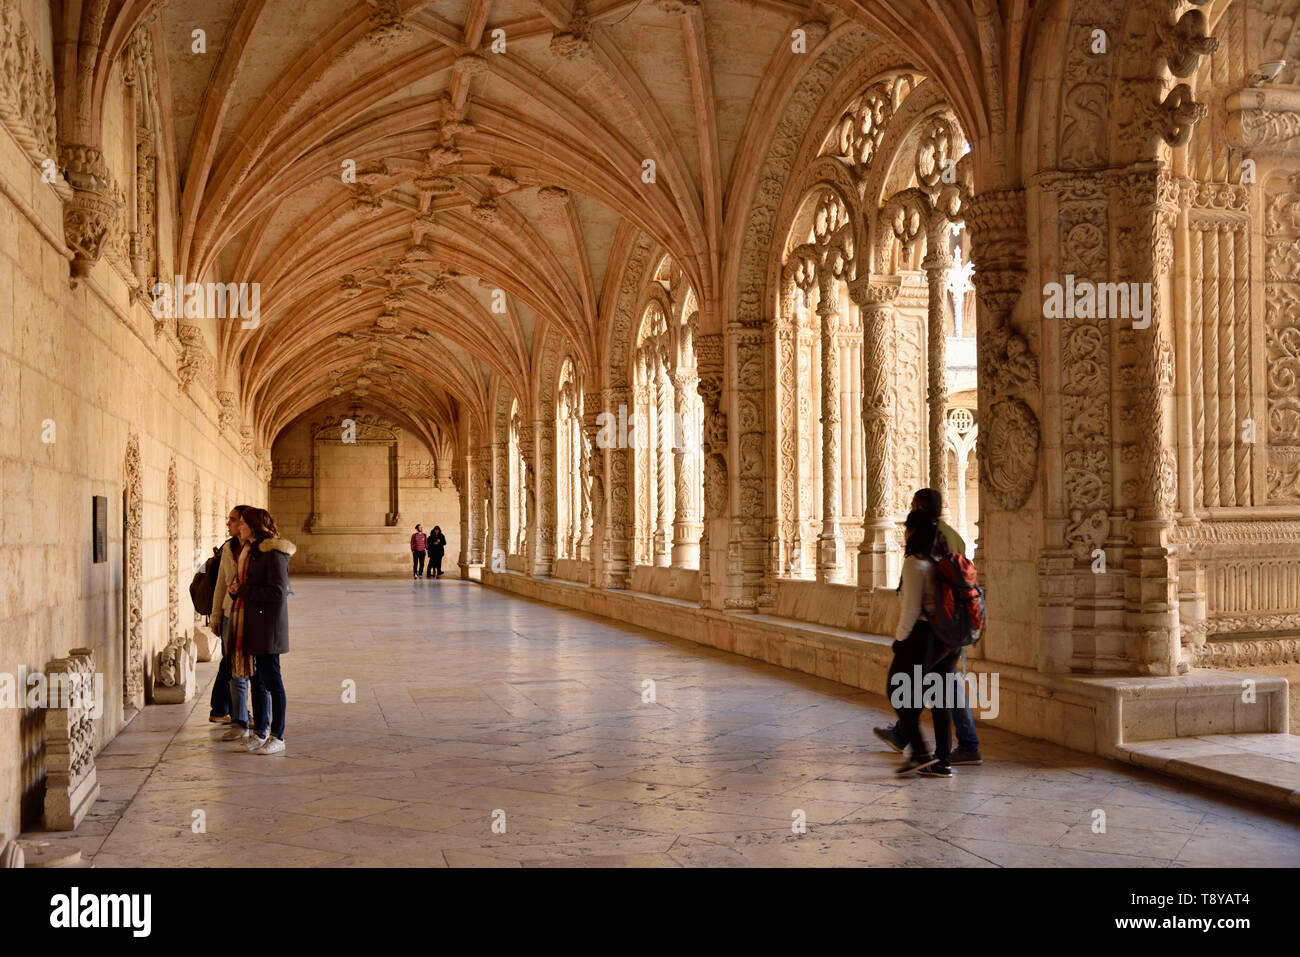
[
  {"x": 527, "y": 448},
  {"x": 593, "y": 506},
  {"x": 1146, "y": 205},
  {"x": 830, "y": 542},
  {"x": 501, "y": 491},
  {"x": 462, "y": 494},
  {"x": 544, "y": 556},
  {"x": 661, "y": 396},
  {"x": 936, "y": 265},
  {"x": 686, "y": 516},
  {"x": 750, "y": 525},
  {"x": 710, "y": 379},
  {"x": 477, "y": 467},
  {"x": 617, "y": 561},
  {"x": 877, "y": 554}
]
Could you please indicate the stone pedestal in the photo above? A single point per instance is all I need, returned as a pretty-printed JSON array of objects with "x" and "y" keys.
[
  {"x": 70, "y": 782},
  {"x": 174, "y": 673},
  {"x": 207, "y": 646},
  {"x": 11, "y": 854}
]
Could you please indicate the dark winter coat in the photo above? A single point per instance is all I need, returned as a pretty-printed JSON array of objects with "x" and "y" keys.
[
  {"x": 266, "y": 598},
  {"x": 436, "y": 544}
]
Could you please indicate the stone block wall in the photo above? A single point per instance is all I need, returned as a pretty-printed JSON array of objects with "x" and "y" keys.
[{"x": 84, "y": 376}]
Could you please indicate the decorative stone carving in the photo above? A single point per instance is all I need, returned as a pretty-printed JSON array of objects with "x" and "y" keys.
[
  {"x": 300, "y": 468},
  {"x": 133, "y": 665},
  {"x": 88, "y": 215},
  {"x": 387, "y": 27},
  {"x": 71, "y": 785},
  {"x": 174, "y": 671},
  {"x": 1009, "y": 461},
  {"x": 27, "y": 97},
  {"x": 1282, "y": 342},
  {"x": 228, "y": 415}
]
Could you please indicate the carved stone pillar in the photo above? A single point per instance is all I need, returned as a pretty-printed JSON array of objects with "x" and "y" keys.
[
  {"x": 617, "y": 560},
  {"x": 462, "y": 496},
  {"x": 1146, "y": 205},
  {"x": 544, "y": 555},
  {"x": 501, "y": 492},
  {"x": 527, "y": 449},
  {"x": 830, "y": 542},
  {"x": 661, "y": 396},
  {"x": 686, "y": 516},
  {"x": 787, "y": 433},
  {"x": 711, "y": 372},
  {"x": 70, "y": 782},
  {"x": 750, "y": 526},
  {"x": 877, "y": 555},
  {"x": 936, "y": 265},
  {"x": 475, "y": 466},
  {"x": 593, "y": 506}
]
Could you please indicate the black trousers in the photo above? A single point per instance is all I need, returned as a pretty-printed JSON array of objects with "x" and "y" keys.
[
  {"x": 435, "y": 562},
  {"x": 418, "y": 559},
  {"x": 220, "y": 703},
  {"x": 912, "y": 653}
]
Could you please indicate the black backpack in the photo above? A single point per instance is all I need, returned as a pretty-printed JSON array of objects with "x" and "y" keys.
[{"x": 205, "y": 583}]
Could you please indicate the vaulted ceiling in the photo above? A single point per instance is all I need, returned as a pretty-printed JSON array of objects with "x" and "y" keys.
[{"x": 422, "y": 188}]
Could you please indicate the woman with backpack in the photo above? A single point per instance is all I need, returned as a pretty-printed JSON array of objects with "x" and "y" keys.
[
  {"x": 259, "y": 626},
  {"x": 921, "y": 662}
]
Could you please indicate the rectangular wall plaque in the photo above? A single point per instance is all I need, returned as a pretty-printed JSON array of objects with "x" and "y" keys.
[{"x": 100, "y": 526}]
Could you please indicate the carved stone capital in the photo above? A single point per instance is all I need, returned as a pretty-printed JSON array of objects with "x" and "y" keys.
[
  {"x": 1264, "y": 121},
  {"x": 999, "y": 240}
]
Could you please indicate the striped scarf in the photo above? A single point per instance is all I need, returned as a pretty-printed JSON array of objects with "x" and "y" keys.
[{"x": 241, "y": 664}]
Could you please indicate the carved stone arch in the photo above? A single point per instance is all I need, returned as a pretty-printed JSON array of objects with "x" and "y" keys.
[{"x": 637, "y": 270}]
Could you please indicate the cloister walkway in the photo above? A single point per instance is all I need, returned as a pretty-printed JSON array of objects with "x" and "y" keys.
[{"x": 473, "y": 707}]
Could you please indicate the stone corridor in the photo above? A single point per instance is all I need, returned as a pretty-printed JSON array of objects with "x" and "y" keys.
[{"x": 471, "y": 702}]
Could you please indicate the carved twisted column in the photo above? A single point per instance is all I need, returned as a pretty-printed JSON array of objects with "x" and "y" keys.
[
  {"x": 661, "y": 396},
  {"x": 474, "y": 465},
  {"x": 686, "y": 515},
  {"x": 617, "y": 560},
  {"x": 830, "y": 542},
  {"x": 710, "y": 379},
  {"x": 462, "y": 496},
  {"x": 936, "y": 265}
]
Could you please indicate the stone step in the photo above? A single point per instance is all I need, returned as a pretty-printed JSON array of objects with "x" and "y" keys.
[{"x": 1259, "y": 767}]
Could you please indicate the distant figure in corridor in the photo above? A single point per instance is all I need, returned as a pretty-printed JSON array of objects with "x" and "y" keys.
[
  {"x": 419, "y": 542},
  {"x": 437, "y": 546},
  {"x": 260, "y": 624}
]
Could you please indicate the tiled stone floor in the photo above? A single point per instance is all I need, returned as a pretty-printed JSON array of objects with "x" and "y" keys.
[{"x": 470, "y": 701}]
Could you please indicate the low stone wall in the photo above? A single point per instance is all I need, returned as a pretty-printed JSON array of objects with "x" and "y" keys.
[{"x": 1094, "y": 715}]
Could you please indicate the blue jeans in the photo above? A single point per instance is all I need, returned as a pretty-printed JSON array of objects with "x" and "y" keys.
[
  {"x": 238, "y": 686},
  {"x": 417, "y": 558},
  {"x": 963, "y": 723},
  {"x": 268, "y": 697}
]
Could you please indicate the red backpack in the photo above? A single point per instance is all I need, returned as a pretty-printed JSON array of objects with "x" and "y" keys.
[{"x": 958, "y": 617}]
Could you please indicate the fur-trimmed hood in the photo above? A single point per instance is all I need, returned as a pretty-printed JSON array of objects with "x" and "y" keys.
[{"x": 277, "y": 545}]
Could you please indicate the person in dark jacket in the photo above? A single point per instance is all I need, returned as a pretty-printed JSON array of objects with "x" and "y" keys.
[
  {"x": 437, "y": 546},
  {"x": 261, "y": 623}
]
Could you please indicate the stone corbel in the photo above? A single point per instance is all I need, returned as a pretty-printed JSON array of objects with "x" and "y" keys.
[{"x": 89, "y": 214}]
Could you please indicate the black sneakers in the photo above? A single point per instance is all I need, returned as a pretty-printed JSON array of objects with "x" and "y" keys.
[
  {"x": 891, "y": 737},
  {"x": 940, "y": 769},
  {"x": 915, "y": 765},
  {"x": 966, "y": 756}
]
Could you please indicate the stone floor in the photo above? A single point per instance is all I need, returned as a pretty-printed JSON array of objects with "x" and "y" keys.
[{"x": 472, "y": 705}]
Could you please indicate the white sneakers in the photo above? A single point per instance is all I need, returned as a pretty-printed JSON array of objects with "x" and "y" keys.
[
  {"x": 254, "y": 742},
  {"x": 273, "y": 745}
]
